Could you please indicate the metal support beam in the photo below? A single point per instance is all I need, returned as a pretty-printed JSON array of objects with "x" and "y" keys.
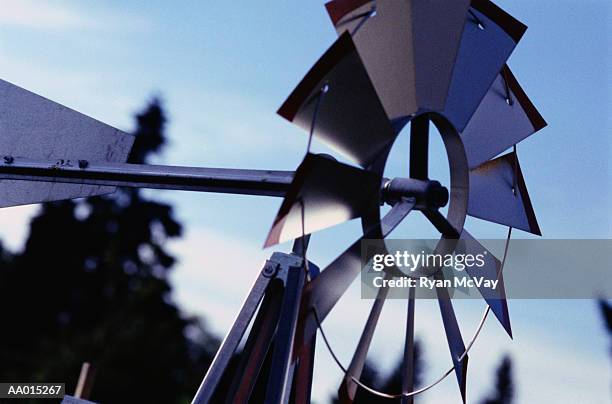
[
  {"x": 419, "y": 147},
  {"x": 276, "y": 297},
  {"x": 225, "y": 180},
  {"x": 282, "y": 367},
  {"x": 428, "y": 194},
  {"x": 232, "y": 340}
]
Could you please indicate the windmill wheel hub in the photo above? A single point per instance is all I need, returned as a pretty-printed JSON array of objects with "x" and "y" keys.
[{"x": 428, "y": 194}]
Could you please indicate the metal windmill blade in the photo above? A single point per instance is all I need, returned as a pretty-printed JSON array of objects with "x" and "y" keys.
[
  {"x": 337, "y": 102},
  {"x": 489, "y": 37},
  {"x": 408, "y": 48},
  {"x": 496, "y": 298},
  {"x": 47, "y": 130},
  {"x": 323, "y": 193},
  {"x": 498, "y": 194},
  {"x": 348, "y": 389},
  {"x": 323, "y": 293},
  {"x": 491, "y": 270},
  {"x": 453, "y": 337},
  {"x": 504, "y": 117}
]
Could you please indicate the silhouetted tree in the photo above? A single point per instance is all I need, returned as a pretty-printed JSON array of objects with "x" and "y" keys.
[
  {"x": 606, "y": 312},
  {"x": 504, "y": 386},
  {"x": 92, "y": 285},
  {"x": 391, "y": 383}
]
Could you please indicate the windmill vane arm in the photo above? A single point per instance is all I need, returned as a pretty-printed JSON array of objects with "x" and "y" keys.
[
  {"x": 429, "y": 194},
  {"x": 200, "y": 179}
]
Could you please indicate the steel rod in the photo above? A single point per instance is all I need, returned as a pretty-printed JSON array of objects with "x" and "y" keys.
[
  {"x": 229, "y": 345},
  {"x": 281, "y": 370},
  {"x": 305, "y": 359},
  {"x": 257, "y": 345},
  {"x": 225, "y": 180},
  {"x": 419, "y": 147},
  {"x": 430, "y": 194},
  {"x": 348, "y": 388}
]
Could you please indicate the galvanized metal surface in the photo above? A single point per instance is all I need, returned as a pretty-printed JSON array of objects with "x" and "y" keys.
[
  {"x": 498, "y": 194},
  {"x": 384, "y": 43},
  {"x": 282, "y": 364},
  {"x": 36, "y": 128},
  {"x": 225, "y": 180},
  {"x": 324, "y": 193},
  {"x": 278, "y": 287},
  {"x": 495, "y": 298},
  {"x": 323, "y": 293},
  {"x": 489, "y": 37},
  {"x": 408, "y": 48},
  {"x": 348, "y": 388},
  {"x": 453, "y": 336},
  {"x": 437, "y": 27},
  {"x": 234, "y": 336},
  {"x": 419, "y": 148},
  {"x": 257, "y": 345},
  {"x": 504, "y": 117},
  {"x": 449, "y": 227},
  {"x": 428, "y": 194},
  {"x": 350, "y": 117},
  {"x": 303, "y": 374}
]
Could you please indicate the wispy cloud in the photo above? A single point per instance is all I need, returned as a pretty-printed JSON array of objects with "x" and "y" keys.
[{"x": 64, "y": 16}]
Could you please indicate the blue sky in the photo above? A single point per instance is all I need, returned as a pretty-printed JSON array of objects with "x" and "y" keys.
[{"x": 223, "y": 68}]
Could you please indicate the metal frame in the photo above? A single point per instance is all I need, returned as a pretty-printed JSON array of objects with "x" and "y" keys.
[{"x": 276, "y": 296}]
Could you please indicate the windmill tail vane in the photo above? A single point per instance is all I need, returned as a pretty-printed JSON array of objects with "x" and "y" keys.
[{"x": 394, "y": 63}]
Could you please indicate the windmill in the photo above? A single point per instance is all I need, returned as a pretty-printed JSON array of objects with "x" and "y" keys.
[{"x": 394, "y": 63}]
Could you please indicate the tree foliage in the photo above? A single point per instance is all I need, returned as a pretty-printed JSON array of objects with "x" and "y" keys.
[
  {"x": 606, "y": 312},
  {"x": 504, "y": 385}
]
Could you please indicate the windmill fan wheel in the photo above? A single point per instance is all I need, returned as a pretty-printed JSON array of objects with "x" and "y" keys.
[{"x": 399, "y": 62}]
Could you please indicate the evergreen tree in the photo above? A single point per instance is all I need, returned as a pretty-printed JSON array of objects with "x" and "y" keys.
[
  {"x": 504, "y": 392},
  {"x": 92, "y": 285},
  {"x": 606, "y": 312}
]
